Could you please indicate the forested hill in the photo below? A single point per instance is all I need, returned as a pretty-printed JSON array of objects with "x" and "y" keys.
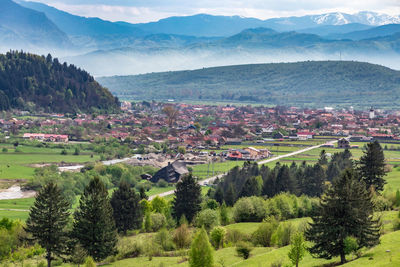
[
  {"x": 32, "y": 82},
  {"x": 311, "y": 83}
]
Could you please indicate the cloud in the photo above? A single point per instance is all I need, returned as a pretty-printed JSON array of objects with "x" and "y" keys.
[{"x": 151, "y": 10}]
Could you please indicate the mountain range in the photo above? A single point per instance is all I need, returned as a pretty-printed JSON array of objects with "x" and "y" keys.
[{"x": 188, "y": 42}]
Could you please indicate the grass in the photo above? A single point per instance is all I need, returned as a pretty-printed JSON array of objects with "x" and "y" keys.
[
  {"x": 11, "y": 214},
  {"x": 17, "y": 165}
]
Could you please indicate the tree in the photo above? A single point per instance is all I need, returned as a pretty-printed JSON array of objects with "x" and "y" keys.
[
  {"x": 230, "y": 196},
  {"x": 345, "y": 210},
  {"x": 94, "y": 226},
  {"x": 297, "y": 249},
  {"x": 48, "y": 218},
  {"x": 372, "y": 166},
  {"x": 126, "y": 209},
  {"x": 201, "y": 252},
  {"x": 187, "y": 198},
  {"x": 172, "y": 113}
]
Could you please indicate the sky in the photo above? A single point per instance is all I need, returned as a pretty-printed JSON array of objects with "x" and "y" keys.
[{"x": 136, "y": 11}]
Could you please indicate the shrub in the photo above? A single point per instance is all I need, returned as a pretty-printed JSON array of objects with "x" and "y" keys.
[
  {"x": 63, "y": 152},
  {"x": 162, "y": 183},
  {"x": 208, "y": 218},
  {"x": 4, "y": 150},
  {"x": 182, "y": 236},
  {"x": 234, "y": 236},
  {"x": 18, "y": 150},
  {"x": 263, "y": 235},
  {"x": 217, "y": 237},
  {"x": 223, "y": 213},
  {"x": 243, "y": 250},
  {"x": 212, "y": 204},
  {"x": 158, "y": 221},
  {"x": 249, "y": 209},
  {"x": 283, "y": 234},
  {"x": 128, "y": 248},
  {"x": 381, "y": 203},
  {"x": 163, "y": 238},
  {"x": 89, "y": 262}
]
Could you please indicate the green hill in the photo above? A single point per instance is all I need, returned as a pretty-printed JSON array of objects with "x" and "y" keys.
[
  {"x": 34, "y": 82},
  {"x": 311, "y": 83}
]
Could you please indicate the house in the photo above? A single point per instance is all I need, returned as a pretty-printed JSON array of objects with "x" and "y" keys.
[
  {"x": 239, "y": 154},
  {"x": 171, "y": 173},
  {"x": 305, "y": 135},
  {"x": 46, "y": 137},
  {"x": 343, "y": 143},
  {"x": 257, "y": 153}
]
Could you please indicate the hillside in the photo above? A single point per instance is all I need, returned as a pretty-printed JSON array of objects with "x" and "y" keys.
[
  {"x": 23, "y": 25},
  {"x": 311, "y": 83},
  {"x": 32, "y": 82}
]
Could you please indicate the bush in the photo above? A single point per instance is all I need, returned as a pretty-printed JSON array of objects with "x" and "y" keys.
[
  {"x": 4, "y": 150},
  {"x": 162, "y": 183},
  {"x": 182, "y": 236},
  {"x": 158, "y": 221},
  {"x": 263, "y": 235},
  {"x": 89, "y": 262},
  {"x": 63, "y": 152},
  {"x": 249, "y": 209},
  {"x": 163, "y": 238},
  {"x": 234, "y": 236},
  {"x": 208, "y": 218},
  {"x": 381, "y": 203},
  {"x": 212, "y": 204},
  {"x": 217, "y": 237},
  {"x": 128, "y": 248},
  {"x": 283, "y": 234},
  {"x": 18, "y": 150},
  {"x": 243, "y": 250}
]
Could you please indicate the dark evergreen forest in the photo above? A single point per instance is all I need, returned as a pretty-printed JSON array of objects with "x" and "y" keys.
[{"x": 39, "y": 83}]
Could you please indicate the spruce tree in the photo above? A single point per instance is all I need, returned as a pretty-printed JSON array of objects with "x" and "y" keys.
[
  {"x": 230, "y": 196},
  {"x": 201, "y": 252},
  {"x": 94, "y": 226},
  {"x": 126, "y": 209},
  {"x": 346, "y": 210},
  {"x": 187, "y": 198},
  {"x": 47, "y": 221},
  {"x": 372, "y": 166}
]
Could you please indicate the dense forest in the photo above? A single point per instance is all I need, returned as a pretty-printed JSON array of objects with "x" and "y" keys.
[
  {"x": 32, "y": 82},
  {"x": 311, "y": 83}
]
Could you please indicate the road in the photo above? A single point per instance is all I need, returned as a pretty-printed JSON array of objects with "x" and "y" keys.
[
  {"x": 106, "y": 162},
  {"x": 211, "y": 179}
]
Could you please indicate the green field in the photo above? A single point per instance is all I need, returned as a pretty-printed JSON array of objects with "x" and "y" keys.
[{"x": 18, "y": 165}]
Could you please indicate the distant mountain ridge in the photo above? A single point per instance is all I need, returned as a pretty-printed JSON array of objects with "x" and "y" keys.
[
  {"x": 24, "y": 25},
  {"x": 312, "y": 83}
]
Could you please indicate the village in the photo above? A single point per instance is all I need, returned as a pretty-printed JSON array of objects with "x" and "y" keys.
[{"x": 159, "y": 134}]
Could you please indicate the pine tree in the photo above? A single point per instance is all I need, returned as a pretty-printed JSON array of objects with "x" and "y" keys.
[
  {"x": 323, "y": 160},
  {"x": 219, "y": 195},
  {"x": 201, "y": 252},
  {"x": 47, "y": 220},
  {"x": 187, "y": 198},
  {"x": 94, "y": 226},
  {"x": 372, "y": 166},
  {"x": 126, "y": 209},
  {"x": 252, "y": 187},
  {"x": 346, "y": 210}
]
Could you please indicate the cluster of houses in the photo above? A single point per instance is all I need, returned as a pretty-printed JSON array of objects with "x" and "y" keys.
[{"x": 205, "y": 126}]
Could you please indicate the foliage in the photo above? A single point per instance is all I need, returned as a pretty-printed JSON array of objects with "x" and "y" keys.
[
  {"x": 207, "y": 218},
  {"x": 346, "y": 210},
  {"x": 164, "y": 239},
  {"x": 243, "y": 249},
  {"x": 217, "y": 237},
  {"x": 372, "y": 166},
  {"x": 187, "y": 198},
  {"x": 201, "y": 252},
  {"x": 263, "y": 235},
  {"x": 47, "y": 221},
  {"x": 126, "y": 210},
  {"x": 297, "y": 249},
  {"x": 94, "y": 226},
  {"x": 32, "y": 82},
  {"x": 249, "y": 209},
  {"x": 158, "y": 221},
  {"x": 12, "y": 233},
  {"x": 182, "y": 236}
]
